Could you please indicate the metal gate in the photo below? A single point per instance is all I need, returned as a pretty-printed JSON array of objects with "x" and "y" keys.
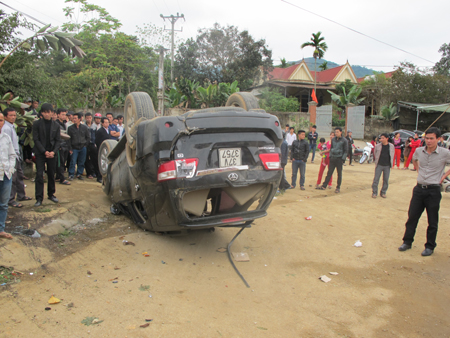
[
  {"x": 355, "y": 121},
  {"x": 323, "y": 121}
]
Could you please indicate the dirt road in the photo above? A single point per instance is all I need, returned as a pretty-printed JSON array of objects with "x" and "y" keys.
[{"x": 189, "y": 289}]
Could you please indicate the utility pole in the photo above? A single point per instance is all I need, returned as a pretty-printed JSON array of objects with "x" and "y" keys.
[
  {"x": 173, "y": 19},
  {"x": 161, "y": 82}
]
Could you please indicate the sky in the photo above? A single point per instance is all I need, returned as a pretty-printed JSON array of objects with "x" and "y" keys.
[{"x": 414, "y": 26}]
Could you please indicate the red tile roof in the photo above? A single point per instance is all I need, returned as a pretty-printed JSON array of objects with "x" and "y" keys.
[
  {"x": 327, "y": 75},
  {"x": 387, "y": 75},
  {"x": 323, "y": 76},
  {"x": 282, "y": 73}
]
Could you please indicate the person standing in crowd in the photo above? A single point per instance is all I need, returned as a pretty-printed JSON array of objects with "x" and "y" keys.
[
  {"x": 17, "y": 187},
  {"x": 291, "y": 137},
  {"x": 384, "y": 161},
  {"x": 414, "y": 144},
  {"x": 430, "y": 162},
  {"x": 284, "y": 184},
  {"x": 78, "y": 143},
  {"x": 407, "y": 148},
  {"x": 101, "y": 135},
  {"x": 397, "y": 142},
  {"x": 97, "y": 124},
  {"x": 8, "y": 159},
  {"x": 313, "y": 137},
  {"x": 92, "y": 158},
  {"x": 69, "y": 118},
  {"x": 373, "y": 143},
  {"x": 338, "y": 154},
  {"x": 47, "y": 138},
  {"x": 350, "y": 146},
  {"x": 441, "y": 142},
  {"x": 113, "y": 130},
  {"x": 63, "y": 152},
  {"x": 120, "y": 124},
  {"x": 299, "y": 156},
  {"x": 325, "y": 162},
  {"x": 286, "y": 130}
]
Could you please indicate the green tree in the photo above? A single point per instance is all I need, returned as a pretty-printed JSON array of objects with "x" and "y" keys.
[
  {"x": 283, "y": 64},
  {"x": 324, "y": 65},
  {"x": 224, "y": 54},
  {"x": 442, "y": 67},
  {"x": 320, "y": 47},
  {"x": 350, "y": 97},
  {"x": 273, "y": 100}
]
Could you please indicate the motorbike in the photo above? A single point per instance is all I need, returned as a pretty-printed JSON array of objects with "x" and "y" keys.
[
  {"x": 357, "y": 153},
  {"x": 445, "y": 186},
  {"x": 367, "y": 154}
]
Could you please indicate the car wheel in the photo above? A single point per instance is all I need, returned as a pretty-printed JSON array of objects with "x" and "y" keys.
[
  {"x": 105, "y": 149},
  {"x": 243, "y": 100},
  {"x": 138, "y": 106}
]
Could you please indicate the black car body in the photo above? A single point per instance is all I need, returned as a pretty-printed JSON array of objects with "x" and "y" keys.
[{"x": 206, "y": 168}]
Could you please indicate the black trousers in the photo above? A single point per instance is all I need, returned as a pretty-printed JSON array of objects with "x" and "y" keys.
[
  {"x": 61, "y": 164},
  {"x": 41, "y": 160},
  {"x": 335, "y": 163},
  {"x": 284, "y": 184},
  {"x": 430, "y": 200},
  {"x": 350, "y": 155},
  {"x": 91, "y": 164}
]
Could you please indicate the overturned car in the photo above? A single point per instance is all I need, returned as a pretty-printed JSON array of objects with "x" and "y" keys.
[{"x": 210, "y": 167}]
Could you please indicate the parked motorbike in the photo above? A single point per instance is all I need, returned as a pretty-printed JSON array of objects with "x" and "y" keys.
[
  {"x": 357, "y": 153},
  {"x": 367, "y": 154}
]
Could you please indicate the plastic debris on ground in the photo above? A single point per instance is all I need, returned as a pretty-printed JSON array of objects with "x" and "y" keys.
[
  {"x": 241, "y": 257},
  {"x": 358, "y": 243},
  {"x": 334, "y": 273},
  {"x": 222, "y": 249},
  {"x": 324, "y": 279},
  {"x": 308, "y": 218},
  {"x": 145, "y": 325},
  {"x": 53, "y": 300}
]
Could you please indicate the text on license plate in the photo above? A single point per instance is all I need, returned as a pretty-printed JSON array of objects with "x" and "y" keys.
[{"x": 229, "y": 157}]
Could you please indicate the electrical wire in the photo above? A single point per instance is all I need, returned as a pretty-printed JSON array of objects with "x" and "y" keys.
[
  {"x": 35, "y": 10},
  {"x": 23, "y": 13},
  {"x": 355, "y": 31}
]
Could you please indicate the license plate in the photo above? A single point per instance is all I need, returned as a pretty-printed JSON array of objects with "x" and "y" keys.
[{"x": 229, "y": 157}]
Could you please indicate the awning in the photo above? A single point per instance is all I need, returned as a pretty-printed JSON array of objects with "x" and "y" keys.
[{"x": 426, "y": 107}]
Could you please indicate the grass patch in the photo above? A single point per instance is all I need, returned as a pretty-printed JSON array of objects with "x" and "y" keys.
[
  {"x": 43, "y": 210},
  {"x": 90, "y": 321},
  {"x": 144, "y": 287},
  {"x": 8, "y": 275}
]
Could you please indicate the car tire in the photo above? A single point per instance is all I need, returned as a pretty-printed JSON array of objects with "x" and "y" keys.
[
  {"x": 243, "y": 100},
  {"x": 137, "y": 105},
  {"x": 105, "y": 149}
]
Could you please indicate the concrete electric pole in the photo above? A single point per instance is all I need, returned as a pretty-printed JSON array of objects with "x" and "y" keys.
[
  {"x": 173, "y": 19},
  {"x": 161, "y": 82}
]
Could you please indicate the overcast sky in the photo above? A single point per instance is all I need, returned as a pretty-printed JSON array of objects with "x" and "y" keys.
[{"x": 417, "y": 27}]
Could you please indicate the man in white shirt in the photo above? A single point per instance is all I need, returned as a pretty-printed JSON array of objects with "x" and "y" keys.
[
  {"x": 18, "y": 187},
  {"x": 291, "y": 137},
  {"x": 120, "y": 124},
  {"x": 7, "y": 168}
]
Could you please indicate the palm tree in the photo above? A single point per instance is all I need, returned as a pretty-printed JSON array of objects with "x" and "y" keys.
[
  {"x": 324, "y": 65},
  {"x": 284, "y": 63},
  {"x": 320, "y": 47}
]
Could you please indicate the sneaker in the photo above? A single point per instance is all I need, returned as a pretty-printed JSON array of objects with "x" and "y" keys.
[
  {"x": 79, "y": 177},
  {"x": 337, "y": 191},
  {"x": 302, "y": 188},
  {"x": 70, "y": 178},
  {"x": 374, "y": 196}
]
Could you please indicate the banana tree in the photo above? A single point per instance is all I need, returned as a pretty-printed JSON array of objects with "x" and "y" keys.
[
  {"x": 207, "y": 95},
  {"x": 46, "y": 37},
  {"x": 351, "y": 97},
  {"x": 389, "y": 112}
]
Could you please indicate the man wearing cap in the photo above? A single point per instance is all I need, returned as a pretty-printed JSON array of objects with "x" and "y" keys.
[
  {"x": 97, "y": 124},
  {"x": 47, "y": 138}
]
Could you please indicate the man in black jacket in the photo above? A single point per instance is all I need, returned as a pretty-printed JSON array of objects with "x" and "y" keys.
[
  {"x": 338, "y": 154},
  {"x": 350, "y": 146},
  {"x": 47, "y": 138},
  {"x": 101, "y": 135},
  {"x": 78, "y": 143},
  {"x": 313, "y": 137},
  {"x": 299, "y": 156}
]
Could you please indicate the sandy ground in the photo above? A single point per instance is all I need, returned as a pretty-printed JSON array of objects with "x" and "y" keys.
[{"x": 189, "y": 289}]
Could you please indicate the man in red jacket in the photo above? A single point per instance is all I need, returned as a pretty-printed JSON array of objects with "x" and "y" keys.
[{"x": 415, "y": 143}]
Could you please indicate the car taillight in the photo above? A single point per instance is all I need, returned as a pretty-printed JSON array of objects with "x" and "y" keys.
[
  {"x": 270, "y": 161},
  {"x": 185, "y": 168}
]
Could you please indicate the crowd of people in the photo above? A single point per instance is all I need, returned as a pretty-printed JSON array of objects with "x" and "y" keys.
[
  {"x": 429, "y": 156},
  {"x": 64, "y": 142}
]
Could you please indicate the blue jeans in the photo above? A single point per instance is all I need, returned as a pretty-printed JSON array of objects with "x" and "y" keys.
[
  {"x": 78, "y": 158},
  {"x": 5, "y": 191},
  {"x": 313, "y": 148},
  {"x": 298, "y": 164}
]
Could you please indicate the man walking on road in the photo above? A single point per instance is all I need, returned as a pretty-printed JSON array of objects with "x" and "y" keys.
[
  {"x": 338, "y": 154},
  {"x": 384, "y": 161},
  {"x": 299, "y": 156},
  {"x": 430, "y": 162},
  {"x": 47, "y": 138},
  {"x": 313, "y": 137}
]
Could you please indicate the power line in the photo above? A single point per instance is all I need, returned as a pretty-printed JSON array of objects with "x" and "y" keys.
[
  {"x": 23, "y": 13},
  {"x": 35, "y": 10},
  {"x": 355, "y": 31}
]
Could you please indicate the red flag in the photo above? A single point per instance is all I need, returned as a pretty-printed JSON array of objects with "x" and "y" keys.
[{"x": 313, "y": 96}]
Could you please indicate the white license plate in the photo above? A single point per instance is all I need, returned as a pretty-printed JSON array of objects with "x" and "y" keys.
[{"x": 229, "y": 157}]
